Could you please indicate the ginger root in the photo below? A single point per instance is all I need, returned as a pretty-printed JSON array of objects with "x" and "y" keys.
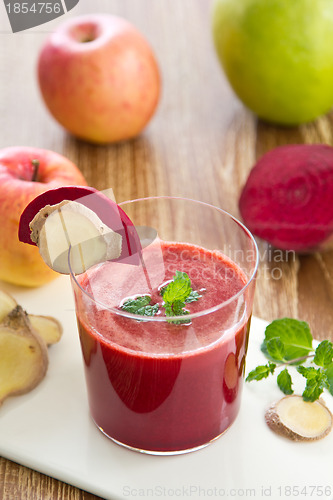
[
  {"x": 23, "y": 347},
  {"x": 23, "y": 355},
  {"x": 7, "y": 304},
  {"x": 48, "y": 328},
  {"x": 298, "y": 420}
]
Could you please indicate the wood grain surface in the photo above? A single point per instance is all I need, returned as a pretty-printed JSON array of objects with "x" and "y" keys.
[{"x": 200, "y": 144}]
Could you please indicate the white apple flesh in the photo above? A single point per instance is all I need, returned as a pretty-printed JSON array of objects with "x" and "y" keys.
[
  {"x": 99, "y": 78},
  {"x": 70, "y": 225}
]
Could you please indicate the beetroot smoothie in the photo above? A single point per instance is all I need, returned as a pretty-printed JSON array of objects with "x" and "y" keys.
[{"x": 155, "y": 385}]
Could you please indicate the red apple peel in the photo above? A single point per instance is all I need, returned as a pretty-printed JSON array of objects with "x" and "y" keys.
[{"x": 287, "y": 199}]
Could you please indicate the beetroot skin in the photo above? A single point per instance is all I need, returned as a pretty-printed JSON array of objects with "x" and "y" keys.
[{"x": 288, "y": 197}]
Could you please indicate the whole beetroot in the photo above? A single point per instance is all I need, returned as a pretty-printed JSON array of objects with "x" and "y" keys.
[{"x": 288, "y": 197}]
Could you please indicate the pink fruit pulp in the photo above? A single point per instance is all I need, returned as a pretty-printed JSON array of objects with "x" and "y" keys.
[{"x": 138, "y": 394}]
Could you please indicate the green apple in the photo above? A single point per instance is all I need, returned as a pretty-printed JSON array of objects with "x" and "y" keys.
[{"x": 278, "y": 56}]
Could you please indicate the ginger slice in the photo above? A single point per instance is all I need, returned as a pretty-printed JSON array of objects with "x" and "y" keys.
[
  {"x": 7, "y": 304},
  {"x": 56, "y": 228},
  {"x": 299, "y": 420},
  {"x": 48, "y": 328},
  {"x": 23, "y": 355}
]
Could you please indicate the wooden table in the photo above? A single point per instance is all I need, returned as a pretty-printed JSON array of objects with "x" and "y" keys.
[{"x": 201, "y": 144}]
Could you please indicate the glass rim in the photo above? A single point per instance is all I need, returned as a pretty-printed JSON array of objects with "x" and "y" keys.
[{"x": 164, "y": 319}]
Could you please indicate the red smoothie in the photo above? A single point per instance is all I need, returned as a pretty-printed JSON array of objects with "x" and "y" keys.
[{"x": 154, "y": 385}]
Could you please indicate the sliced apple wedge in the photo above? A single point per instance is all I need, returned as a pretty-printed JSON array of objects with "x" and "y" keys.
[{"x": 69, "y": 224}]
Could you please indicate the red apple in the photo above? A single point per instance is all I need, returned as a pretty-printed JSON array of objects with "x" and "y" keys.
[
  {"x": 99, "y": 78},
  {"x": 24, "y": 174}
]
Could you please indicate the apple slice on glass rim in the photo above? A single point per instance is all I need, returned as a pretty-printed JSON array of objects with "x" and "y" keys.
[{"x": 84, "y": 220}]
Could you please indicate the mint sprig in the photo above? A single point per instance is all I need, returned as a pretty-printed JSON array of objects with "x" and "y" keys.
[
  {"x": 140, "y": 305},
  {"x": 178, "y": 289},
  {"x": 193, "y": 297},
  {"x": 316, "y": 381},
  {"x": 262, "y": 371},
  {"x": 290, "y": 338},
  {"x": 324, "y": 354},
  {"x": 175, "y": 295},
  {"x": 289, "y": 342},
  {"x": 329, "y": 375},
  {"x": 284, "y": 382}
]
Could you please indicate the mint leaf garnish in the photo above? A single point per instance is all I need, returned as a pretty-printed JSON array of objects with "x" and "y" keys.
[
  {"x": 262, "y": 371},
  {"x": 276, "y": 349},
  {"x": 324, "y": 353},
  {"x": 289, "y": 342},
  {"x": 140, "y": 305},
  {"x": 178, "y": 289},
  {"x": 284, "y": 382},
  {"x": 294, "y": 335},
  {"x": 308, "y": 372},
  {"x": 176, "y": 294},
  {"x": 176, "y": 310},
  {"x": 193, "y": 297},
  {"x": 329, "y": 376},
  {"x": 316, "y": 381}
]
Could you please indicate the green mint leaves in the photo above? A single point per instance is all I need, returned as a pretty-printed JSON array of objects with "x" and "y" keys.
[
  {"x": 140, "y": 305},
  {"x": 178, "y": 289},
  {"x": 193, "y": 297},
  {"x": 284, "y": 382},
  {"x": 324, "y": 354},
  {"x": 315, "y": 382},
  {"x": 175, "y": 296},
  {"x": 289, "y": 342},
  {"x": 261, "y": 372},
  {"x": 287, "y": 339}
]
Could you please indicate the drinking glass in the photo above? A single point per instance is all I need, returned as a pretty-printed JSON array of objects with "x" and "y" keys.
[{"x": 160, "y": 384}]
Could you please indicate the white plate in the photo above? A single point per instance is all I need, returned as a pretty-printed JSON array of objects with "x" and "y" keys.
[{"x": 50, "y": 430}]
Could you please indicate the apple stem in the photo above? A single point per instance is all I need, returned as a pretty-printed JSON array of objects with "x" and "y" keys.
[
  {"x": 35, "y": 164},
  {"x": 87, "y": 40}
]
